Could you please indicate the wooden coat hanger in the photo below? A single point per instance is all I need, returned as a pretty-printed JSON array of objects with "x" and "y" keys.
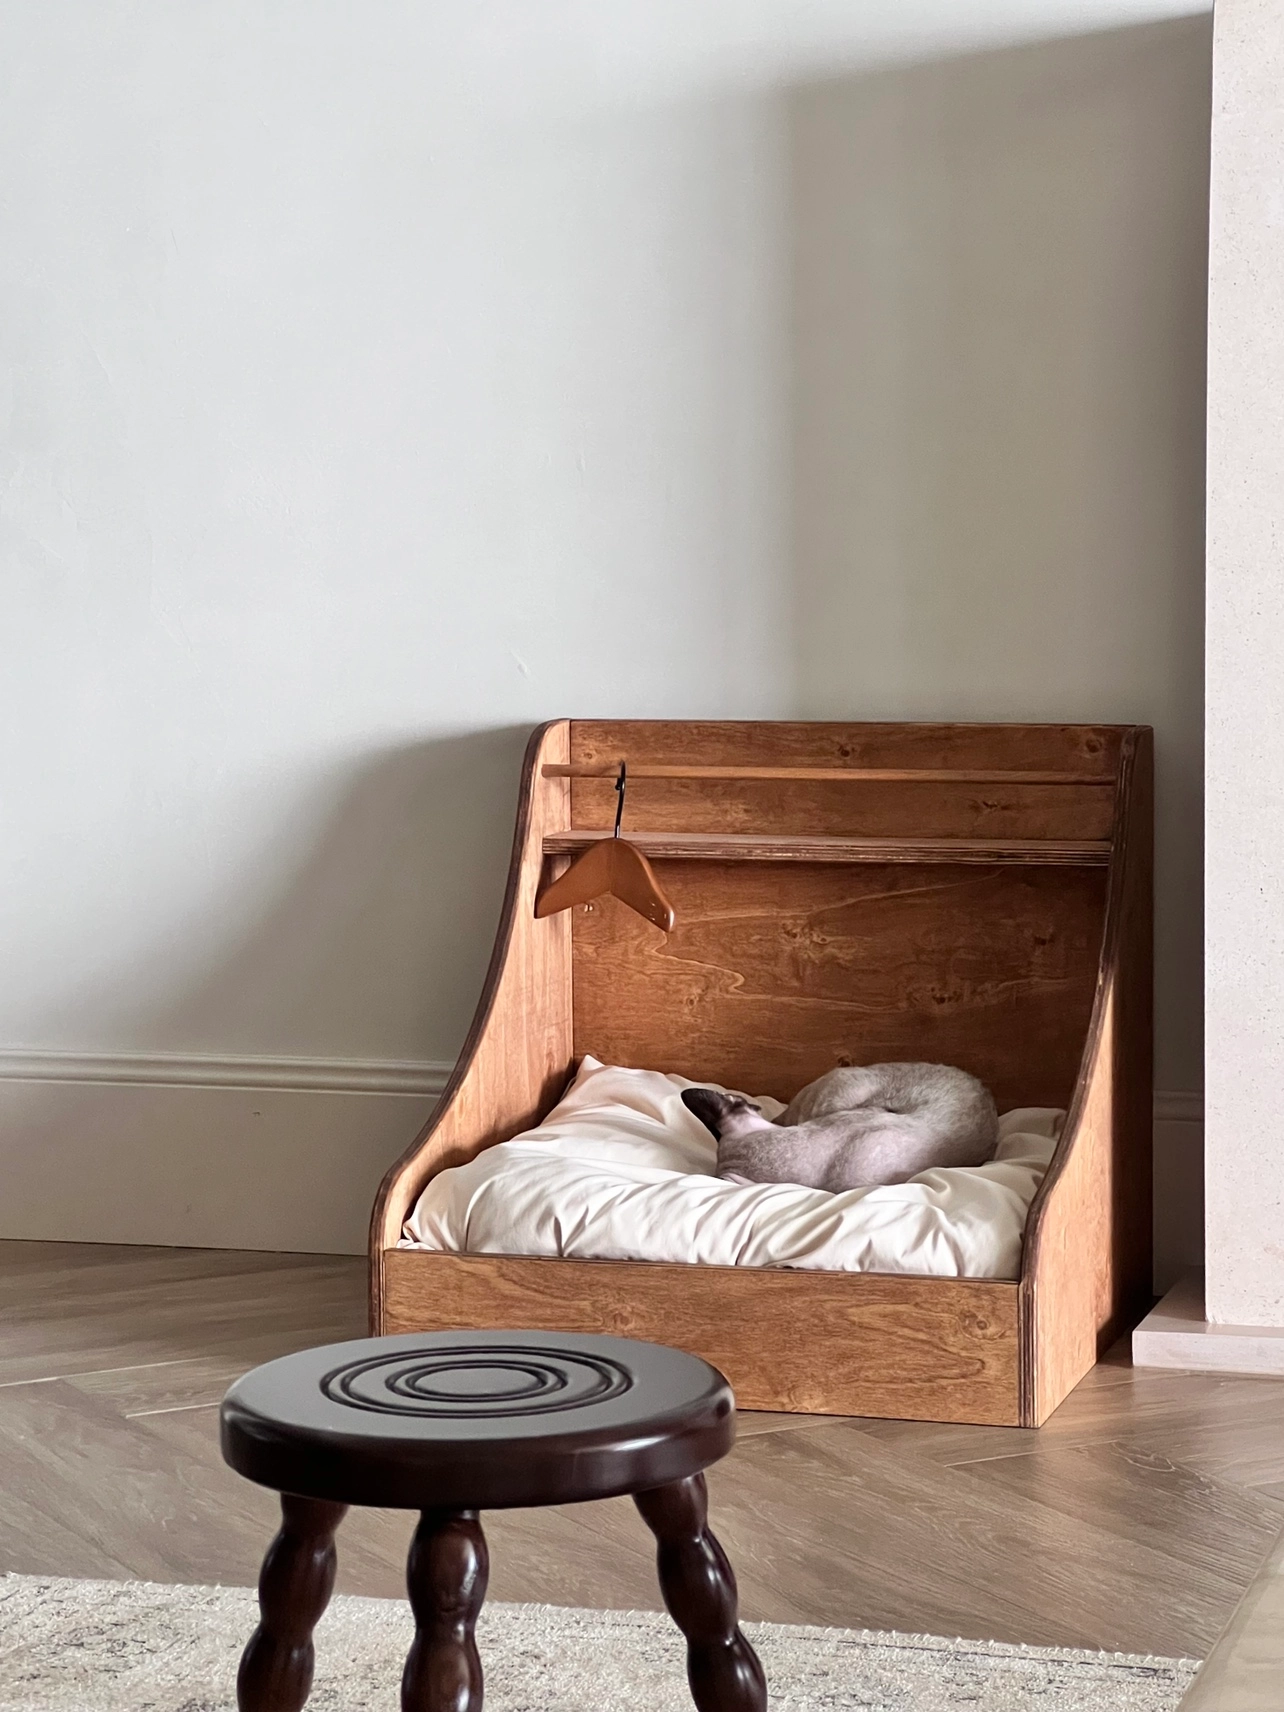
[{"x": 613, "y": 865}]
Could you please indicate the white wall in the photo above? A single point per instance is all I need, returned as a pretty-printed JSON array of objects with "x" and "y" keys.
[
  {"x": 1245, "y": 1176},
  {"x": 1000, "y": 266},
  {"x": 380, "y": 379}
]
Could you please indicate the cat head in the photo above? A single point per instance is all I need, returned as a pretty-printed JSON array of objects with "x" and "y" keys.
[{"x": 714, "y": 1108}]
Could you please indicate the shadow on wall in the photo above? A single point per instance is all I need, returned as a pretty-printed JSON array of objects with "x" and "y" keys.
[
  {"x": 381, "y": 933},
  {"x": 999, "y": 267},
  {"x": 378, "y": 941}
]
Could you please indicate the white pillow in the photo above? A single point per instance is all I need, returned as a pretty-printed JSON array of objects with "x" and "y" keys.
[{"x": 621, "y": 1170}]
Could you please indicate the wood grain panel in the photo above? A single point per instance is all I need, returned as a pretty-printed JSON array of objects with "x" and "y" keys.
[
  {"x": 821, "y": 1342},
  {"x": 765, "y": 984},
  {"x": 822, "y": 775},
  {"x": 1069, "y": 1284},
  {"x": 909, "y": 808},
  {"x": 869, "y": 811},
  {"x": 517, "y": 1057},
  {"x": 757, "y": 847},
  {"x": 1086, "y": 1269},
  {"x": 1092, "y": 750}
]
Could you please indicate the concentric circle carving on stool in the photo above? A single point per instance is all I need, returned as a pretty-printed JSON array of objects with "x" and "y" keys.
[
  {"x": 476, "y": 1382},
  {"x": 477, "y": 1420}
]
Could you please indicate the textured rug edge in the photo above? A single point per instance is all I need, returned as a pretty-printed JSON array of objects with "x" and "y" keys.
[{"x": 921, "y": 1641}]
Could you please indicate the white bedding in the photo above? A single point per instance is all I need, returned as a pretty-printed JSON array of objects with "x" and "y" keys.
[{"x": 621, "y": 1170}]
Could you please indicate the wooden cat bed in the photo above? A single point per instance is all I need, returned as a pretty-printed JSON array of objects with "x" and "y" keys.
[{"x": 977, "y": 895}]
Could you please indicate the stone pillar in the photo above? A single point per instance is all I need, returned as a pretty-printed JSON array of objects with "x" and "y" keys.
[
  {"x": 1244, "y": 1136},
  {"x": 1239, "y": 1323}
]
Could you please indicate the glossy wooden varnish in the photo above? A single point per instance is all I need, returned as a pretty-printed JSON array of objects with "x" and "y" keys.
[
  {"x": 451, "y": 1425},
  {"x": 983, "y": 900}
]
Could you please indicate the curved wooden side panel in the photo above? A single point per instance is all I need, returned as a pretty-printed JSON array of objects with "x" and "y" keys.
[
  {"x": 518, "y": 1053},
  {"x": 1086, "y": 1269}
]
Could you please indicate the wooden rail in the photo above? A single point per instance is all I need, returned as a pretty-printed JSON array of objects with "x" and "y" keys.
[
  {"x": 752, "y": 847},
  {"x": 826, "y": 775}
]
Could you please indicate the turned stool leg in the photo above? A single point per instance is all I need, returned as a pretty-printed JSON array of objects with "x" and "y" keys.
[
  {"x": 446, "y": 1577},
  {"x": 699, "y": 1591},
  {"x": 295, "y": 1585}
]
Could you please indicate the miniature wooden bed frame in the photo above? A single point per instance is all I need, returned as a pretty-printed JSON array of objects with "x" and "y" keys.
[{"x": 976, "y": 895}]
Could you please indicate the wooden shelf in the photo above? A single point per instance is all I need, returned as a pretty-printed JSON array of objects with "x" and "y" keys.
[
  {"x": 828, "y": 775},
  {"x": 750, "y": 847}
]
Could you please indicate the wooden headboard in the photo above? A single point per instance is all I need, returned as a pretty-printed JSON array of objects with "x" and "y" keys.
[{"x": 779, "y": 969}]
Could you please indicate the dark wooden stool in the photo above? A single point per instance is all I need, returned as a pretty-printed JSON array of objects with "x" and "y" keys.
[{"x": 452, "y": 1423}]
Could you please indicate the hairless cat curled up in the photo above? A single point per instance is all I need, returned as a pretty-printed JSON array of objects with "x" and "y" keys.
[{"x": 854, "y": 1128}]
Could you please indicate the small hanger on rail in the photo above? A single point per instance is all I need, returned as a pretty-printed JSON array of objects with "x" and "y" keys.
[{"x": 610, "y": 865}]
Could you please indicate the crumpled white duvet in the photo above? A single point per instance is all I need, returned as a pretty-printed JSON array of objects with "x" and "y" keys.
[{"x": 621, "y": 1170}]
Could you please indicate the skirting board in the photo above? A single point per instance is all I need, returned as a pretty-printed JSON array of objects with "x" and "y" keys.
[
  {"x": 1176, "y": 1334},
  {"x": 209, "y": 1070},
  {"x": 1179, "y": 1187},
  {"x": 219, "y": 1151},
  {"x": 279, "y": 1154}
]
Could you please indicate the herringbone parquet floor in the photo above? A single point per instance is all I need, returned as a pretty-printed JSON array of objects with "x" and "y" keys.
[{"x": 1134, "y": 1520}]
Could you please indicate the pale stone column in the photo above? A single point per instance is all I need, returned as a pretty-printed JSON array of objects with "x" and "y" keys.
[
  {"x": 1244, "y": 1159},
  {"x": 1236, "y": 1323}
]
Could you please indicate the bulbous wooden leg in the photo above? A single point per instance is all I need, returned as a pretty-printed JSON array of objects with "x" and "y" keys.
[
  {"x": 295, "y": 1585},
  {"x": 446, "y": 1577},
  {"x": 699, "y": 1591}
]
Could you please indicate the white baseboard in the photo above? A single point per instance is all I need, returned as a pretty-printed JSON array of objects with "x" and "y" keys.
[
  {"x": 223, "y": 1151},
  {"x": 209, "y": 1070},
  {"x": 203, "y": 1151}
]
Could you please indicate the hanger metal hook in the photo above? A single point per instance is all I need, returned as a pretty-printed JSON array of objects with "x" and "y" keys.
[{"x": 621, "y": 785}]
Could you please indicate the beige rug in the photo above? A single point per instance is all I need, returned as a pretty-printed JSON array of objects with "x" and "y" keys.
[{"x": 131, "y": 1646}]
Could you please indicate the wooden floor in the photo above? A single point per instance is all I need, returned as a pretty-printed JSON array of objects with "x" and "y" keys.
[{"x": 1134, "y": 1520}]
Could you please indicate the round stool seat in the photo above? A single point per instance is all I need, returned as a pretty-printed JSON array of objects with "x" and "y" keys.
[{"x": 477, "y": 1420}]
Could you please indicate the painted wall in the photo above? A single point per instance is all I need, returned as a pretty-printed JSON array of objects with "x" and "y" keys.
[
  {"x": 378, "y": 380},
  {"x": 1245, "y": 1175},
  {"x": 999, "y": 312}
]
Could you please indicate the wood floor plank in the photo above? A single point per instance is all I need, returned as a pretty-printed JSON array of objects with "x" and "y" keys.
[
  {"x": 1246, "y": 1448},
  {"x": 108, "y": 1484},
  {"x": 199, "y": 1381},
  {"x": 844, "y": 1531},
  {"x": 1144, "y": 1497},
  {"x": 583, "y": 1554},
  {"x": 1151, "y": 1403},
  {"x": 751, "y": 1421},
  {"x": 1131, "y": 1521},
  {"x": 1243, "y": 1671},
  {"x": 52, "y": 1259},
  {"x": 34, "y": 1541},
  {"x": 372, "y": 1560},
  {"x": 153, "y": 1319}
]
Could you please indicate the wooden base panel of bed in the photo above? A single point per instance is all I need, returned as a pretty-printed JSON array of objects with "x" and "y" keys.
[
  {"x": 823, "y": 1343},
  {"x": 977, "y": 895}
]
